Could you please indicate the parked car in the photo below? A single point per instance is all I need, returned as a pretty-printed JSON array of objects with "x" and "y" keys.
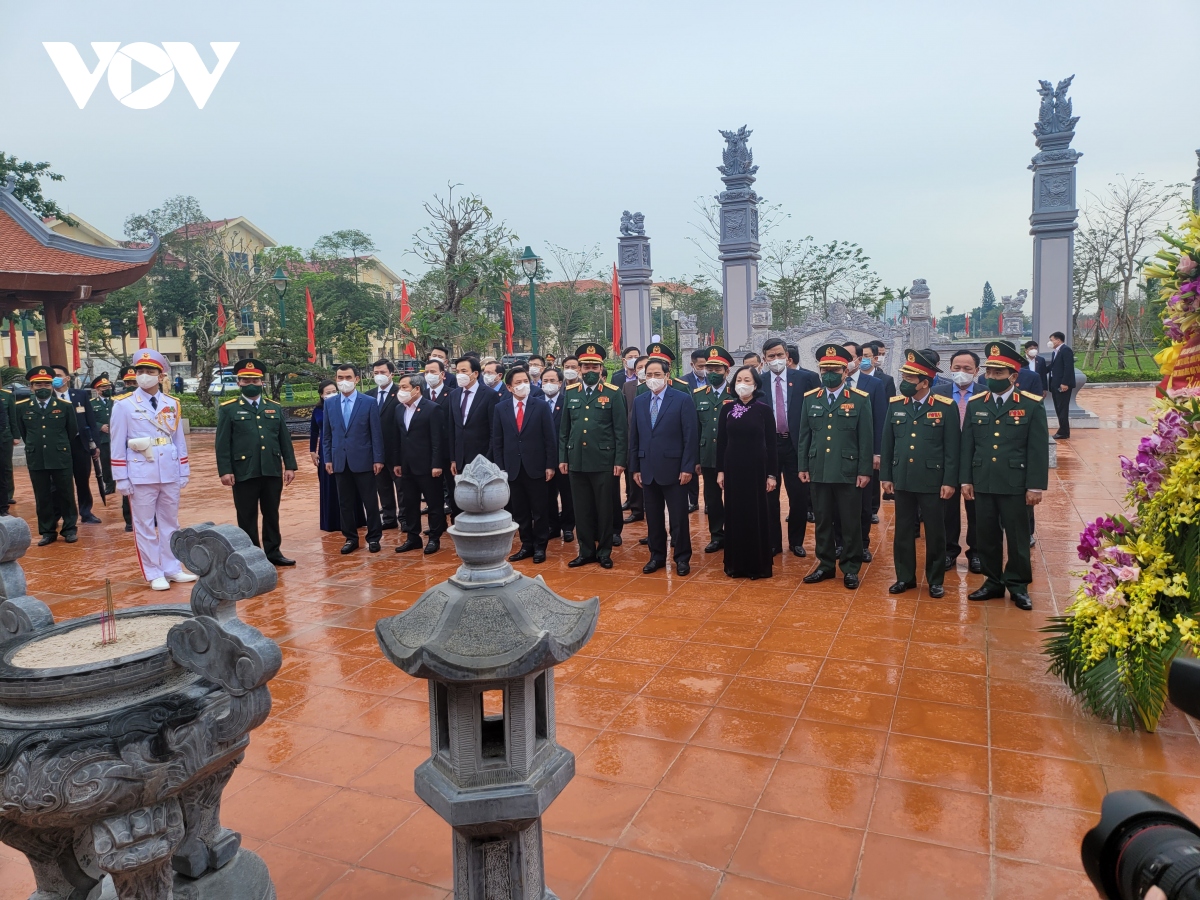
[
  {"x": 191, "y": 385},
  {"x": 225, "y": 383},
  {"x": 515, "y": 359}
]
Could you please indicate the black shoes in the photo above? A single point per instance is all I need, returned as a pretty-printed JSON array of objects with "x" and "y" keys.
[
  {"x": 837, "y": 551},
  {"x": 867, "y": 557},
  {"x": 413, "y": 543},
  {"x": 901, "y": 586},
  {"x": 937, "y": 591},
  {"x": 874, "y": 519},
  {"x": 950, "y": 566},
  {"x": 89, "y": 519},
  {"x": 975, "y": 564},
  {"x": 434, "y": 545},
  {"x": 47, "y": 539},
  {"x": 850, "y": 581},
  {"x": 1021, "y": 600},
  {"x": 714, "y": 546},
  {"x": 523, "y": 553},
  {"x": 693, "y": 508},
  {"x": 539, "y": 557},
  {"x": 349, "y": 546},
  {"x": 390, "y": 526},
  {"x": 373, "y": 546},
  {"x": 811, "y": 517},
  {"x": 819, "y": 574},
  {"x": 653, "y": 566},
  {"x": 683, "y": 568},
  {"x": 1033, "y": 540},
  {"x": 70, "y": 537},
  {"x": 280, "y": 560},
  {"x": 625, "y": 506},
  {"x": 644, "y": 541},
  {"x": 568, "y": 536},
  {"x": 986, "y": 593},
  {"x": 581, "y": 561},
  {"x": 1059, "y": 436},
  {"x": 799, "y": 551},
  {"x": 128, "y": 528},
  {"x": 606, "y": 562},
  {"x": 634, "y": 517},
  {"x": 617, "y": 542}
]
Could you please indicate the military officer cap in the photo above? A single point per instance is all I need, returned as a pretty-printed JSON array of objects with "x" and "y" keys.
[
  {"x": 127, "y": 374},
  {"x": 831, "y": 356},
  {"x": 147, "y": 357},
  {"x": 918, "y": 362},
  {"x": 249, "y": 368},
  {"x": 100, "y": 382},
  {"x": 1003, "y": 354},
  {"x": 590, "y": 353},
  {"x": 40, "y": 375},
  {"x": 717, "y": 356},
  {"x": 660, "y": 351}
]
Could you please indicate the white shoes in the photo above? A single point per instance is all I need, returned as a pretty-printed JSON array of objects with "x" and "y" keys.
[
  {"x": 160, "y": 584},
  {"x": 182, "y": 577}
]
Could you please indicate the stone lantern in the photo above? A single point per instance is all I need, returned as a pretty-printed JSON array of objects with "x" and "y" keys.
[{"x": 487, "y": 640}]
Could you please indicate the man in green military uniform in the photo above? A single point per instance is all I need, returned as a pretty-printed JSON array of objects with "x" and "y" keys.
[
  {"x": 9, "y": 436},
  {"x": 1004, "y": 466},
  {"x": 919, "y": 466},
  {"x": 102, "y": 404},
  {"x": 593, "y": 450},
  {"x": 837, "y": 455},
  {"x": 48, "y": 427},
  {"x": 255, "y": 457},
  {"x": 708, "y": 401}
]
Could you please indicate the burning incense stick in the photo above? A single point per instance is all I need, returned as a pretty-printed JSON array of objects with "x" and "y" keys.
[{"x": 108, "y": 618}]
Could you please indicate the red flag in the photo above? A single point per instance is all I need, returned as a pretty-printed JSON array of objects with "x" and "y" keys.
[
  {"x": 508, "y": 322},
  {"x": 1103, "y": 318},
  {"x": 410, "y": 349},
  {"x": 222, "y": 353},
  {"x": 967, "y": 324},
  {"x": 312, "y": 327},
  {"x": 74, "y": 343},
  {"x": 12, "y": 343},
  {"x": 143, "y": 332},
  {"x": 616, "y": 302},
  {"x": 1000, "y": 324}
]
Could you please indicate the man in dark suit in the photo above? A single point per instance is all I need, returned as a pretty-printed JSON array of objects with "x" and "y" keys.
[
  {"x": 697, "y": 377},
  {"x": 873, "y": 388},
  {"x": 663, "y": 453},
  {"x": 629, "y": 359},
  {"x": 960, "y": 388},
  {"x": 525, "y": 446},
  {"x": 388, "y": 486},
  {"x": 84, "y": 446},
  {"x": 435, "y": 387},
  {"x": 783, "y": 389},
  {"x": 470, "y": 411},
  {"x": 492, "y": 377},
  {"x": 558, "y": 489},
  {"x": 1060, "y": 381},
  {"x": 633, "y": 493},
  {"x": 1035, "y": 361},
  {"x": 872, "y": 364},
  {"x": 417, "y": 460},
  {"x": 354, "y": 447}
]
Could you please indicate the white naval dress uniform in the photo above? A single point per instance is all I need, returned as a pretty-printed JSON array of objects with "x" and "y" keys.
[{"x": 156, "y": 474}]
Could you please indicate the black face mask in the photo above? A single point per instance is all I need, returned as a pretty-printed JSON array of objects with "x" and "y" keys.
[
  {"x": 907, "y": 388},
  {"x": 251, "y": 391},
  {"x": 106, "y": 393},
  {"x": 43, "y": 393},
  {"x": 591, "y": 379}
]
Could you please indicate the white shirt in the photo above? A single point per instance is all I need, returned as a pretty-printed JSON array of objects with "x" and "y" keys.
[
  {"x": 469, "y": 392},
  {"x": 382, "y": 395},
  {"x": 519, "y": 400},
  {"x": 833, "y": 395},
  {"x": 410, "y": 410},
  {"x": 1002, "y": 397},
  {"x": 434, "y": 391}
]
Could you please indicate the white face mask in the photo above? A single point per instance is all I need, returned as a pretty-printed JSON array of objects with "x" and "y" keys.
[
  {"x": 571, "y": 374},
  {"x": 641, "y": 375},
  {"x": 962, "y": 379},
  {"x": 744, "y": 390},
  {"x": 550, "y": 388},
  {"x": 433, "y": 379},
  {"x": 777, "y": 365},
  {"x": 463, "y": 379},
  {"x": 489, "y": 378},
  {"x": 521, "y": 391},
  {"x": 345, "y": 386},
  {"x": 535, "y": 371},
  {"x": 1031, "y": 353},
  {"x": 383, "y": 380},
  {"x": 404, "y": 397},
  {"x": 631, "y": 363},
  {"x": 329, "y": 395},
  {"x": 145, "y": 382},
  {"x": 656, "y": 384}
]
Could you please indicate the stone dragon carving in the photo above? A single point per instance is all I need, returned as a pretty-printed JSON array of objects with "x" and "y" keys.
[{"x": 737, "y": 157}]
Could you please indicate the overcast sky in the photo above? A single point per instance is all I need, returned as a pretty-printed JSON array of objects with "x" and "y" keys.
[{"x": 905, "y": 127}]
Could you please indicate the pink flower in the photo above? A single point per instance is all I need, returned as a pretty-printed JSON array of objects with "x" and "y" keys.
[
  {"x": 1186, "y": 265},
  {"x": 1128, "y": 573}
]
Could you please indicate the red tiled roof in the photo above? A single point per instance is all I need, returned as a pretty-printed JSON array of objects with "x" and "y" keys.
[{"x": 20, "y": 252}]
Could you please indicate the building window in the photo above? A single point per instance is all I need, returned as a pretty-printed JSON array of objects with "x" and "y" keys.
[
  {"x": 115, "y": 329},
  {"x": 171, "y": 330},
  {"x": 239, "y": 261},
  {"x": 247, "y": 323}
]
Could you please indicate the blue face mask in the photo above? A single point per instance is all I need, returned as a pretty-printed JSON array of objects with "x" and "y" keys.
[
  {"x": 58, "y": 383},
  {"x": 867, "y": 364}
]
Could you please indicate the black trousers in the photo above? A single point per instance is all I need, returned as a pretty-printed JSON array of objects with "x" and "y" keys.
[
  {"x": 618, "y": 517},
  {"x": 663, "y": 500},
  {"x": 263, "y": 494},
  {"x": 904, "y": 537},
  {"x": 799, "y": 498},
  {"x": 829, "y": 502},
  {"x": 559, "y": 490},
  {"x": 448, "y": 481},
  {"x": 54, "y": 496},
  {"x": 6, "y": 455},
  {"x": 1062, "y": 408},
  {"x": 81, "y": 468},
  {"x": 412, "y": 489},
  {"x": 387, "y": 486},
  {"x": 875, "y": 491},
  {"x": 110, "y": 486},
  {"x": 714, "y": 504},
  {"x": 864, "y": 519},
  {"x": 952, "y": 523},
  {"x": 693, "y": 493},
  {"x": 1002, "y": 517},
  {"x": 593, "y": 494},
  {"x": 633, "y": 493},
  {"x": 355, "y": 488},
  {"x": 530, "y": 509}
]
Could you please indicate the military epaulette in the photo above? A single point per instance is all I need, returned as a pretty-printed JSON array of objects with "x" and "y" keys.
[
  {"x": 1029, "y": 396},
  {"x": 611, "y": 387},
  {"x": 975, "y": 397},
  {"x": 227, "y": 402},
  {"x": 813, "y": 391},
  {"x": 680, "y": 381},
  {"x": 19, "y": 402},
  {"x": 703, "y": 387},
  {"x": 899, "y": 399},
  {"x": 5, "y": 390},
  {"x": 860, "y": 392},
  {"x": 942, "y": 398},
  {"x": 571, "y": 387},
  {"x": 128, "y": 396}
]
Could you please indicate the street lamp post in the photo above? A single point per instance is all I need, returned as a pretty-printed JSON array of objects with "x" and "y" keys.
[
  {"x": 678, "y": 351},
  {"x": 530, "y": 264},
  {"x": 280, "y": 280}
]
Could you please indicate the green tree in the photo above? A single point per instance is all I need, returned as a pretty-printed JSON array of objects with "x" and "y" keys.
[
  {"x": 989, "y": 298},
  {"x": 28, "y": 187},
  {"x": 341, "y": 250}
]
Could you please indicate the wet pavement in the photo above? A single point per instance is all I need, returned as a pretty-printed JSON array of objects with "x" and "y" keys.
[{"x": 734, "y": 739}]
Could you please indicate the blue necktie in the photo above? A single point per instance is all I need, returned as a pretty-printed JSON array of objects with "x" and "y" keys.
[{"x": 654, "y": 411}]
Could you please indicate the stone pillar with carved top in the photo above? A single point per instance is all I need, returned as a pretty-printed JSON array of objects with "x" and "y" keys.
[
  {"x": 634, "y": 278},
  {"x": 920, "y": 322},
  {"x": 738, "y": 245},
  {"x": 487, "y": 640}
]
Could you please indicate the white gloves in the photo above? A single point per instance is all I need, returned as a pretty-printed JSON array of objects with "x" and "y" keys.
[
  {"x": 183, "y": 482},
  {"x": 125, "y": 488}
]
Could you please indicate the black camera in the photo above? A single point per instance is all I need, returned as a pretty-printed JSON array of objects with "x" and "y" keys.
[{"x": 1142, "y": 841}]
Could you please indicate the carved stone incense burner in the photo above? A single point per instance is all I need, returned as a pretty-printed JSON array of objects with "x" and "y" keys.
[{"x": 115, "y": 766}]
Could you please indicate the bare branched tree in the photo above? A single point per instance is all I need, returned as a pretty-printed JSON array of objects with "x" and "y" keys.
[
  {"x": 707, "y": 228},
  {"x": 565, "y": 307}
]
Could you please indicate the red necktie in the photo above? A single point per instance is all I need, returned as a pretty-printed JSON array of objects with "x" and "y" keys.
[{"x": 520, "y": 414}]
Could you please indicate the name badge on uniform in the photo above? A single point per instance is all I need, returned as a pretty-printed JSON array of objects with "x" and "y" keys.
[
  {"x": 79, "y": 409},
  {"x": 933, "y": 415},
  {"x": 1016, "y": 413},
  {"x": 269, "y": 412},
  {"x": 602, "y": 400},
  {"x": 847, "y": 406}
]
